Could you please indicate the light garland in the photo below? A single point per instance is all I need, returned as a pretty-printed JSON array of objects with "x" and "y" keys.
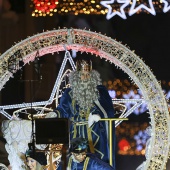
[
  {"x": 45, "y": 7},
  {"x": 110, "y": 8},
  {"x": 66, "y": 6}
]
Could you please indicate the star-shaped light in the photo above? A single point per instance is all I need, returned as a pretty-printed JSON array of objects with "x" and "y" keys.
[
  {"x": 134, "y": 10},
  {"x": 110, "y": 12},
  {"x": 166, "y": 6}
]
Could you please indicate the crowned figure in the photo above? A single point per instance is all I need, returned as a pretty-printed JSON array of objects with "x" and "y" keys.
[{"x": 84, "y": 103}]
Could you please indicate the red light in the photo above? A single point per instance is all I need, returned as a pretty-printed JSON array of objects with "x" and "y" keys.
[
  {"x": 44, "y": 6},
  {"x": 123, "y": 145}
]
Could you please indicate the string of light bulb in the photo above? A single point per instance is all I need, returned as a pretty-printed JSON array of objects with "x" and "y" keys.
[{"x": 110, "y": 8}]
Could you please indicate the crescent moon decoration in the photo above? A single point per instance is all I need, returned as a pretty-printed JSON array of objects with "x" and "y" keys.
[{"x": 112, "y": 51}]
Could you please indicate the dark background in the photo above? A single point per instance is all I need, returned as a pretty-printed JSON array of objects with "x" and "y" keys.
[{"x": 148, "y": 35}]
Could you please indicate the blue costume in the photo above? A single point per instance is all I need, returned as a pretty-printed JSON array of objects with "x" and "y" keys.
[
  {"x": 90, "y": 163},
  {"x": 97, "y": 134}
]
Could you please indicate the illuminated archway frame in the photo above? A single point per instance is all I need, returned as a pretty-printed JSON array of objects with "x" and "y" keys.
[{"x": 113, "y": 51}]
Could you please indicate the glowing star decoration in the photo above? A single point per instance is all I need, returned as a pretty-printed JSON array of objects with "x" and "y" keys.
[
  {"x": 110, "y": 12},
  {"x": 133, "y": 10},
  {"x": 166, "y": 6}
]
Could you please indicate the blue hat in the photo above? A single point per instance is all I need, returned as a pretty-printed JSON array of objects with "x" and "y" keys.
[{"x": 78, "y": 145}]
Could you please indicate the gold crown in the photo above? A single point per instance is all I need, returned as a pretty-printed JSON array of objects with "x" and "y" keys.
[{"x": 83, "y": 65}]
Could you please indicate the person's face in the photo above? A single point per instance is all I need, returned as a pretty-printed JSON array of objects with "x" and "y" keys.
[
  {"x": 84, "y": 75},
  {"x": 80, "y": 157},
  {"x": 31, "y": 163}
]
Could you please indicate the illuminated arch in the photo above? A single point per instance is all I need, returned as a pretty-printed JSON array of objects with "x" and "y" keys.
[{"x": 113, "y": 51}]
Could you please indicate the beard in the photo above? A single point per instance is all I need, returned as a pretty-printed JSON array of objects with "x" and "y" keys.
[
  {"x": 85, "y": 91},
  {"x": 86, "y": 94}
]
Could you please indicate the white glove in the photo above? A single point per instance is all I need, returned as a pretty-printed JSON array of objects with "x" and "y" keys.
[
  {"x": 92, "y": 119},
  {"x": 51, "y": 115}
]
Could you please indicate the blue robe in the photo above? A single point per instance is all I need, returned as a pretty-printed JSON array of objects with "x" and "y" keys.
[
  {"x": 91, "y": 162},
  {"x": 97, "y": 133}
]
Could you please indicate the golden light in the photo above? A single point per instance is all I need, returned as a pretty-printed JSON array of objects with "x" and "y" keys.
[
  {"x": 85, "y": 7},
  {"x": 43, "y": 8}
]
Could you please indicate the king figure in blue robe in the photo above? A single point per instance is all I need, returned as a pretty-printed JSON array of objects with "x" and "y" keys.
[{"x": 84, "y": 103}]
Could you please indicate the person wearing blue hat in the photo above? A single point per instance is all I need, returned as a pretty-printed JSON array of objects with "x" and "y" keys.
[{"x": 80, "y": 159}]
